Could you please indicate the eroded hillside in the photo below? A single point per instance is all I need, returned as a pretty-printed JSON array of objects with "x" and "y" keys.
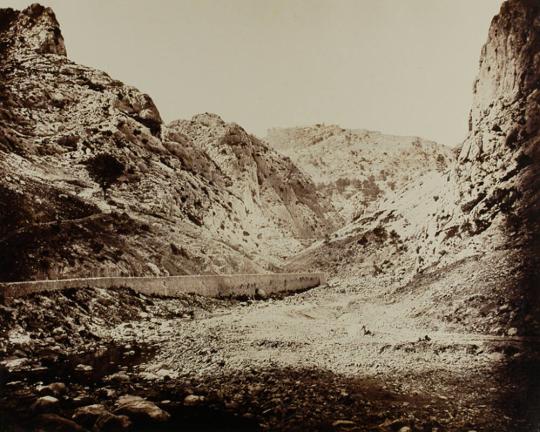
[
  {"x": 357, "y": 168},
  {"x": 278, "y": 205},
  {"x": 176, "y": 208}
]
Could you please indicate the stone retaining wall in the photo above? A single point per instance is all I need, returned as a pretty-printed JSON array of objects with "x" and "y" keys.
[{"x": 236, "y": 285}]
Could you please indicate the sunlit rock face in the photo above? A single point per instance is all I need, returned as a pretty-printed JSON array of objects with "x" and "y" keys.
[
  {"x": 464, "y": 242},
  {"x": 357, "y": 168}
]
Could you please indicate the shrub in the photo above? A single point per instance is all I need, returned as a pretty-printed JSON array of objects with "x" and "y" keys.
[
  {"x": 394, "y": 236},
  {"x": 14, "y": 210},
  {"x": 105, "y": 170},
  {"x": 380, "y": 232},
  {"x": 371, "y": 189}
]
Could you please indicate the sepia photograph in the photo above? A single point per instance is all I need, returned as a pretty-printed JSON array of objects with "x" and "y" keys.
[{"x": 270, "y": 215}]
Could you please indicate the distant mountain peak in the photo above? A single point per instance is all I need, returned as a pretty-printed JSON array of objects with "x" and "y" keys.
[
  {"x": 357, "y": 167},
  {"x": 208, "y": 119}
]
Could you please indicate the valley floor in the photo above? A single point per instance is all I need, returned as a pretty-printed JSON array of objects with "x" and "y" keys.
[
  {"x": 332, "y": 358},
  {"x": 383, "y": 370}
]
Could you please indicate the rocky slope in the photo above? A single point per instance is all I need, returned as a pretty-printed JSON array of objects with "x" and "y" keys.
[
  {"x": 277, "y": 204},
  {"x": 356, "y": 168},
  {"x": 482, "y": 214},
  {"x": 172, "y": 210}
]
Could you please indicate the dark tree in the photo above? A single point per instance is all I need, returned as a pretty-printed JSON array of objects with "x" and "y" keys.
[
  {"x": 15, "y": 211},
  {"x": 105, "y": 170}
]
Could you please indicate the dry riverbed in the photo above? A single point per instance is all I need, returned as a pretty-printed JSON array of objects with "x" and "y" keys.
[{"x": 332, "y": 358}]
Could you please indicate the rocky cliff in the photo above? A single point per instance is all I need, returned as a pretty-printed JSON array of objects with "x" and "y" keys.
[
  {"x": 278, "y": 205},
  {"x": 499, "y": 160},
  {"x": 358, "y": 168},
  {"x": 163, "y": 202}
]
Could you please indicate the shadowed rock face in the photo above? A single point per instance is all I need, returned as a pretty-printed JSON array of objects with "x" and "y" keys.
[
  {"x": 504, "y": 141},
  {"x": 502, "y": 146},
  {"x": 496, "y": 175},
  {"x": 175, "y": 210}
]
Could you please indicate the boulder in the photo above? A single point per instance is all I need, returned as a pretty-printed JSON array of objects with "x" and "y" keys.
[
  {"x": 53, "y": 389},
  {"x": 56, "y": 423},
  {"x": 84, "y": 368},
  {"x": 112, "y": 423},
  {"x": 88, "y": 415},
  {"x": 512, "y": 331},
  {"x": 118, "y": 377},
  {"x": 261, "y": 294},
  {"x": 45, "y": 403},
  {"x": 193, "y": 400},
  {"x": 137, "y": 407}
]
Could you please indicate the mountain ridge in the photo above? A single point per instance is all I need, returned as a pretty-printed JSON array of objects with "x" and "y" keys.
[{"x": 358, "y": 167}]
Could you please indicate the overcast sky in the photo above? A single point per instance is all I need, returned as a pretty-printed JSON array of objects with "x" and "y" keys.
[{"x": 399, "y": 66}]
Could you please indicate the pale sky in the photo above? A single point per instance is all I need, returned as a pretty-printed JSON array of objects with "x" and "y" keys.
[{"x": 399, "y": 66}]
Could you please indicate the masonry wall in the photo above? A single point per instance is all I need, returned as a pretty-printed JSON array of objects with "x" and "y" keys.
[{"x": 237, "y": 285}]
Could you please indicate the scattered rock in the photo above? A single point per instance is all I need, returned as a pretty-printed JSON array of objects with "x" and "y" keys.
[
  {"x": 84, "y": 368},
  {"x": 53, "y": 389},
  {"x": 512, "y": 331},
  {"x": 56, "y": 423},
  {"x": 261, "y": 294},
  {"x": 112, "y": 423},
  {"x": 193, "y": 400},
  {"x": 392, "y": 425},
  {"x": 81, "y": 400},
  {"x": 339, "y": 423},
  {"x": 88, "y": 415},
  {"x": 15, "y": 363},
  {"x": 118, "y": 377},
  {"x": 107, "y": 392}
]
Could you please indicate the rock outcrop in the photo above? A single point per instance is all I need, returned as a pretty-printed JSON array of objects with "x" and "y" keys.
[
  {"x": 39, "y": 26},
  {"x": 277, "y": 200},
  {"x": 499, "y": 159}
]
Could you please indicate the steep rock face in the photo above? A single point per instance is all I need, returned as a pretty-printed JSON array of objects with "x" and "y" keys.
[
  {"x": 495, "y": 198},
  {"x": 162, "y": 216},
  {"x": 481, "y": 214},
  {"x": 278, "y": 201},
  {"x": 357, "y": 168},
  {"x": 500, "y": 156},
  {"x": 55, "y": 115}
]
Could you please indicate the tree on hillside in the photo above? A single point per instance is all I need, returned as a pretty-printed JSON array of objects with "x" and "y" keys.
[{"x": 105, "y": 170}]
